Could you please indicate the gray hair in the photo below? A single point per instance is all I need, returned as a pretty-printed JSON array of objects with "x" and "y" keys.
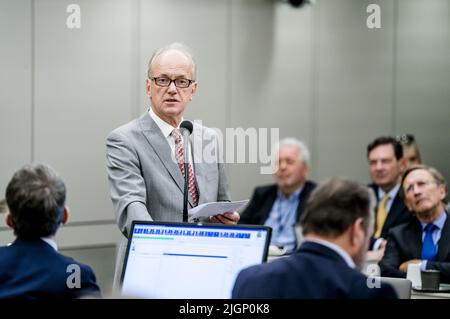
[
  {"x": 304, "y": 156},
  {"x": 178, "y": 47},
  {"x": 35, "y": 197}
]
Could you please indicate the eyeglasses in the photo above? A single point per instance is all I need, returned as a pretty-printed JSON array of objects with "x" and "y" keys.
[
  {"x": 405, "y": 139},
  {"x": 179, "y": 83}
]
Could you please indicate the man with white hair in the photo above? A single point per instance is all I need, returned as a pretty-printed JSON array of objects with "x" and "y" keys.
[{"x": 280, "y": 205}]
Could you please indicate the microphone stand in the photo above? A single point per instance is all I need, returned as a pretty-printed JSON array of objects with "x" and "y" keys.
[{"x": 186, "y": 176}]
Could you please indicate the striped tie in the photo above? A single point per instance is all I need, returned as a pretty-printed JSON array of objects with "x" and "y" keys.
[{"x": 179, "y": 155}]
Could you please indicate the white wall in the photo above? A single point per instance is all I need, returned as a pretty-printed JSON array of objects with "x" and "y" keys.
[{"x": 317, "y": 73}]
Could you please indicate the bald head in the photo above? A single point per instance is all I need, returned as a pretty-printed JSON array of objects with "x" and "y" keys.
[{"x": 168, "y": 52}]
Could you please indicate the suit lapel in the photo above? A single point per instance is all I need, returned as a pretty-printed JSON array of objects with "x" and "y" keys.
[
  {"x": 268, "y": 203},
  {"x": 443, "y": 246},
  {"x": 397, "y": 208},
  {"x": 414, "y": 237},
  {"x": 161, "y": 148}
]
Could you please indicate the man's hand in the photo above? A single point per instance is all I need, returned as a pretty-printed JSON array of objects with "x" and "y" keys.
[
  {"x": 377, "y": 255},
  {"x": 404, "y": 267},
  {"x": 229, "y": 218}
]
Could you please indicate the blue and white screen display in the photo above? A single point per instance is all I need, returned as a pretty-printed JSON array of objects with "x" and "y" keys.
[{"x": 189, "y": 261}]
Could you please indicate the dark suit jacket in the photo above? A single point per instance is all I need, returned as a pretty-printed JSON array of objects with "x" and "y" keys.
[
  {"x": 398, "y": 214},
  {"x": 314, "y": 271},
  {"x": 33, "y": 269},
  {"x": 258, "y": 209},
  {"x": 405, "y": 243}
]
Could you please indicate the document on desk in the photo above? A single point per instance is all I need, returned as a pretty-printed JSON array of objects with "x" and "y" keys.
[{"x": 214, "y": 208}]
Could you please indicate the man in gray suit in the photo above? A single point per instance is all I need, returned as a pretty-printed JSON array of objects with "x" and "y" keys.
[{"x": 146, "y": 180}]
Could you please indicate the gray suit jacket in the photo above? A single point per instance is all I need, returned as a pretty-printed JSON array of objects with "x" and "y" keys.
[{"x": 145, "y": 180}]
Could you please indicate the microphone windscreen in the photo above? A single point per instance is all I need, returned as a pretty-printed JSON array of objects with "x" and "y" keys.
[{"x": 187, "y": 125}]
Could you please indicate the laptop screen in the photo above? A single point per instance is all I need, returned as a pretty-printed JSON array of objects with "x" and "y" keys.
[{"x": 181, "y": 260}]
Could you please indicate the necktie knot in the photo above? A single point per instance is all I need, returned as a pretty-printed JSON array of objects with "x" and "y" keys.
[
  {"x": 384, "y": 200},
  {"x": 429, "y": 228},
  {"x": 177, "y": 135}
]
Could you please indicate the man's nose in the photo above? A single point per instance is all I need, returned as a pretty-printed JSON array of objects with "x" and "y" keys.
[
  {"x": 172, "y": 87},
  {"x": 379, "y": 166},
  {"x": 416, "y": 189}
]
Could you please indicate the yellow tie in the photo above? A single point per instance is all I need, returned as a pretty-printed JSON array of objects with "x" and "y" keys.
[{"x": 381, "y": 215}]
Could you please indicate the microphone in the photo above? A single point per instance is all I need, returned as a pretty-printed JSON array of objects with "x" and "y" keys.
[{"x": 186, "y": 128}]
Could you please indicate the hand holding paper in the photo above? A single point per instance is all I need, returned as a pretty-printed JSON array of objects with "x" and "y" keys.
[{"x": 215, "y": 208}]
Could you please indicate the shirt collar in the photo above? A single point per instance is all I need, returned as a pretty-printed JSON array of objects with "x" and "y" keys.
[
  {"x": 439, "y": 222},
  {"x": 341, "y": 252},
  {"x": 165, "y": 127},
  {"x": 51, "y": 242},
  {"x": 392, "y": 193},
  {"x": 294, "y": 195}
]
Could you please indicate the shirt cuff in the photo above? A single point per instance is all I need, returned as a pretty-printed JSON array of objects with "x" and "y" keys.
[
  {"x": 377, "y": 243},
  {"x": 423, "y": 265}
]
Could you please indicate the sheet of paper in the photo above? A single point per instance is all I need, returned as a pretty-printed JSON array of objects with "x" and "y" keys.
[{"x": 214, "y": 208}]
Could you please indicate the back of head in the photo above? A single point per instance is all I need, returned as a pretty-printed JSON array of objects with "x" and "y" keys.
[
  {"x": 334, "y": 206},
  {"x": 35, "y": 197}
]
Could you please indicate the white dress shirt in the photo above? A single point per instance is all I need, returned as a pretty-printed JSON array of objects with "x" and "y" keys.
[{"x": 167, "y": 129}]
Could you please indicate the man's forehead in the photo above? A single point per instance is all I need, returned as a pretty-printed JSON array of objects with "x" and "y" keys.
[
  {"x": 172, "y": 60},
  {"x": 381, "y": 151},
  {"x": 288, "y": 150},
  {"x": 417, "y": 174}
]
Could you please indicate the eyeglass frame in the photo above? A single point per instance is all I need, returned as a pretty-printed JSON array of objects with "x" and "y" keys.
[{"x": 154, "y": 79}]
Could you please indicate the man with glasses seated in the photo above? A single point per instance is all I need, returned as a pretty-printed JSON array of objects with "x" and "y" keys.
[
  {"x": 145, "y": 156},
  {"x": 426, "y": 238}
]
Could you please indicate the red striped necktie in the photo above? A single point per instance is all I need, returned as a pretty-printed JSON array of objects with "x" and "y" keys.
[{"x": 179, "y": 155}]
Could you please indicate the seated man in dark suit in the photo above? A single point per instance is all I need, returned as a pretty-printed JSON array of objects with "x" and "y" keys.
[
  {"x": 386, "y": 163},
  {"x": 337, "y": 224},
  {"x": 31, "y": 267},
  {"x": 280, "y": 205},
  {"x": 426, "y": 238}
]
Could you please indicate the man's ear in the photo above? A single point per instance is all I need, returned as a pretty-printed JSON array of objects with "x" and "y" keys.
[
  {"x": 193, "y": 90},
  {"x": 357, "y": 231},
  {"x": 65, "y": 215},
  {"x": 9, "y": 220},
  {"x": 148, "y": 88}
]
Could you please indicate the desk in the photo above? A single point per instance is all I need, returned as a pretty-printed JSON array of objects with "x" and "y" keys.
[{"x": 431, "y": 295}]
